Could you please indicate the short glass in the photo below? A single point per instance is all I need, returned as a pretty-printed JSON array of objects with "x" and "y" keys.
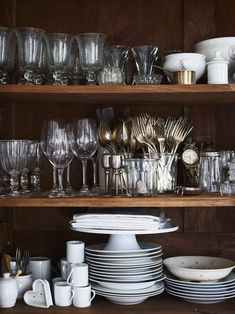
[
  {"x": 167, "y": 173},
  {"x": 147, "y": 79}
]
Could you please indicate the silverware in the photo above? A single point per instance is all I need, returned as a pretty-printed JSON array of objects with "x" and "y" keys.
[
  {"x": 18, "y": 259},
  {"x": 25, "y": 262}
]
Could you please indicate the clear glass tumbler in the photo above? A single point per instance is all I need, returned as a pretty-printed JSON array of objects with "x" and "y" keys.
[
  {"x": 7, "y": 53},
  {"x": 167, "y": 173},
  {"x": 144, "y": 57}
]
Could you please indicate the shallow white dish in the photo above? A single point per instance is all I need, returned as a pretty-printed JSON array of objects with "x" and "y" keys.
[
  {"x": 156, "y": 287},
  {"x": 120, "y": 279},
  {"x": 121, "y": 256},
  {"x": 141, "y": 260},
  {"x": 128, "y": 285},
  {"x": 139, "y": 269},
  {"x": 199, "y": 268},
  {"x": 126, "y": 273},
  {"x": 120, "y": 265}
]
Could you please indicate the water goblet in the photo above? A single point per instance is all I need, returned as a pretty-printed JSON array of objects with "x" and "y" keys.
[
  {"x": 84, "y": 146},
  {"x": 74, "y": 69},
  {"x": 29, "y": 48},
  {"x": 91, "y": 54},
  {"x": 7, "y": 53},
  {"x": 13, "y": 157},
  {"x": 144, "y": 57},
  {"x": 56, "y": 145},
  {"x": 59, "y": 47}
]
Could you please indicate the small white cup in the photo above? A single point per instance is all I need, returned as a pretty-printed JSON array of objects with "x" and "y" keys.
[
  {"x": 40, "y": 267},
  {"x": 65, "y": 268},
  {"x": 24, "y": 283},
  {"x": 83, "y": 296},
  {"x": 75, "y": 252},
  {"x": 78, "y": 275},
  {"x": 63, "y": 294},
  {"x": 54, "y": 280}
]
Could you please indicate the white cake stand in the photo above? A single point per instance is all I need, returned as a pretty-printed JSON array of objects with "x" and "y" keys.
[{"x": 123, "y": 240}]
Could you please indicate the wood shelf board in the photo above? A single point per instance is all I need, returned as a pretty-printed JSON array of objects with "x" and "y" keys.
[
  {"x": 158, "y": 201},
  {"x": 161, "y": 94},
  {"x": 162, "y": 304}
]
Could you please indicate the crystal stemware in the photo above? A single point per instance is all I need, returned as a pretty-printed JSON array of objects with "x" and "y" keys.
[
  {"x": 144, "y": 57},
  {"x": 59, "y": 47},
  {"x": 91, "y": 47},
  {"x": 7, "y": 53},
  {"x": 13, "y": 156},
  {"x": 116, "y": 55},
  {"x": 56, "y": 145},
  {"x": 84, "y": 146},
  {"x": 29, "y": 48}
]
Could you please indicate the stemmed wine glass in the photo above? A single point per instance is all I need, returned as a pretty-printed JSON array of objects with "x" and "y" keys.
[
  {"x": 91, "y": 47},
  {"x": 59, "y": 47},
  {"x": 29, "y": 48},
  {"x": 84, "y": 145},
  {"x": 56, "y": 145},
  {"x": 13, "y": 156}
]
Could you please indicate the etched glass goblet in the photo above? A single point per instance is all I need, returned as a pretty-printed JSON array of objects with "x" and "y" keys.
[
  {"x": 7, "y": 53},
  {"x": 144, "y": 57},
  {"x": 29, "y": 48},
  {"x": 59, "y": 47},
  {"x": 91, "y": 47}
]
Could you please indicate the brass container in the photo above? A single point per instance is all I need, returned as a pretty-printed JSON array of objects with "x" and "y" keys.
[{"x": 184, "y": 77}]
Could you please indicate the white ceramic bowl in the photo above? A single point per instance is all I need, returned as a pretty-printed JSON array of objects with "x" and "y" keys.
[
  {"x": 224, "y": 45},
  {"x": 24, "y": 283},
  {"x": 185, "y": 61},
  {"x": 199, "y": 268}
]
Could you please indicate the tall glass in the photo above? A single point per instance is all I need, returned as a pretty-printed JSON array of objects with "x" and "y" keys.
[
  {"x": 144, "y": 57},
  {"x": 13, "y": 157},
  {"x": 56, "y": 145},
  {"x": 84, "y": 146},
  {"x": 91, "y": 47},
  {"x": 167, "y": 172},
  {"x": 116, "y": 55},
  {"x": 7, "y": 53},
  {"x": 59, "y": 46},
  {"x": 29, "y": 48}
]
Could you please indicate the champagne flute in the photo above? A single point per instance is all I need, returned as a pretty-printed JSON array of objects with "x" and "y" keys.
[{"x": 84, "y": 146}]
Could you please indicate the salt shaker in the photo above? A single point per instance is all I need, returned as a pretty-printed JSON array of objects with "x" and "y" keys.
[
  {"x": 217, "y": 70},
  {"x": 8, "y": 291}
]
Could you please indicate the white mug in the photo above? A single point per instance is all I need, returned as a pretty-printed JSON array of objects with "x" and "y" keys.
[
  {"x": 78, "y": 275},
  {"x": 40, "y": 267},
  {"x": 54, "y": 280},
  {"x": 83, "y": 296},
  {"x": 65, "y": 268},
  {"x": 63, "y": 293},
  {"x": 75, "y": 252}
]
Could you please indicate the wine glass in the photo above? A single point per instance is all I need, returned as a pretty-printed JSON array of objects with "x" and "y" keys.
[
  {"x": 13, "y": 156},
  {"x": 84, "y": 145},
  {"x": 91, "y": 54},
  {"x": 56, "y": 145},
  {"x": 59, "y": 47},
  {"x": 29, "y": 48},
  {"x": 7, "y": 53}
]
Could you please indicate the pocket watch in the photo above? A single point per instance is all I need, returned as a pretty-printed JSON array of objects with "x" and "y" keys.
[{"x": 190, "y": 155}]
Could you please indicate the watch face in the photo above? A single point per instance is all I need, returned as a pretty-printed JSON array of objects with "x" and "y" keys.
[{"x": 190, "y": 156}]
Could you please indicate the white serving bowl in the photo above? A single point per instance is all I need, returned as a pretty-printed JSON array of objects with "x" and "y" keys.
[
  {"x": 185, "y": 62},
  {"x": 199, "y": 268},
  {"x": 225, "y": 46}
]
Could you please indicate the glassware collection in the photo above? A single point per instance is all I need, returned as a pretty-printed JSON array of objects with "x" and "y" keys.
[
  {"x": 62, "y": 59},
  {"x": 137, "y": 156}
]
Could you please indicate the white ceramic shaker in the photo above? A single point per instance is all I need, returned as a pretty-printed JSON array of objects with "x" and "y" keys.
[
  {"x": 8, "y": 291},
  {"x": 217, "y": 70}
]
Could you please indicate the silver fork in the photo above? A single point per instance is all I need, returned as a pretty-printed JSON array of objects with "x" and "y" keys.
[
  {"x": 18, "y": 259},
  {"x": 25, "y": 262}
]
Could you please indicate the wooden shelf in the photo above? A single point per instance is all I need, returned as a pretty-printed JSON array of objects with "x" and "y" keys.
[
  {"x": 158, "y": 201},
  {"x": 164, "y": 304},
  {"x": 148, "y": 94}
]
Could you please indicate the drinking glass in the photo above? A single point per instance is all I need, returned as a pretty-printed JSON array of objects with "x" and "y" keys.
[
  {"x": 144, "y": 58},
  {"x": 74, "y": 69},
  {"x": 31, "y": 161},
  {"x": 59, "y": 47},
  {"x": 91, "y": 54},
  {"x": 13, "y": 156},
  {"x": 56, "y": 144},
  {"x": 29, "y": 48},
  {"x": 84, "y": 145},
  {"x": 7, "y": 53},
  {"x": 116, "y": 55}
]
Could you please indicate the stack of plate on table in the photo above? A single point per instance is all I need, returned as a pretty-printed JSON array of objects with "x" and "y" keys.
[
  {"x": 126, "y": 277},
  {"x": 197, "y": 292},
  {"x": 200, "y": 279}
]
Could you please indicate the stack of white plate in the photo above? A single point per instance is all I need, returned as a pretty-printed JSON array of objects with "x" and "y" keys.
[
  {"x": 126, "y": 276},
  {"x": 202, "y": 292}
]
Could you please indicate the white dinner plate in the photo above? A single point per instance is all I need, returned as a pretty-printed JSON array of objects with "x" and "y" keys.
[
  {"x": 127, "y": 269},
  {"x": 125, "y": 279},
  {"x": 121, "y": 256},
  {"x": 126, "y": 273},
  {"x": 145, "y": 247},
  {"x": 124, "y": 260},
  {"x": 202, "y": 289},
  {"x": 127, "y": 264}
]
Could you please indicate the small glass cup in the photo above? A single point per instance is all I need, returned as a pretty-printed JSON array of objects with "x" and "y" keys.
[
  {"x": 147, "y": 79},
  {"x": 167, "y": 173}
]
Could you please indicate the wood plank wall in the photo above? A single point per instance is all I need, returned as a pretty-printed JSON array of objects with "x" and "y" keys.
[{"x": 170, "y": 24}]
